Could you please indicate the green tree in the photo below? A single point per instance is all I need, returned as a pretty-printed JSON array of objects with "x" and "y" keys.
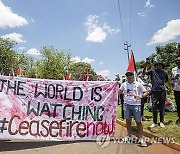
[
  {"x": 167, "y": 54},
  {"x": 53, "y": 63},
  {"x": 8, "y": 57},
  {"x": 77, "y": 69}
]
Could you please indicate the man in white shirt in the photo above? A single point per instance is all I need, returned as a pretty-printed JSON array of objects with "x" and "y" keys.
[
  {"x": 133, "y": 93},
  {"x": 176, "y": 86}
]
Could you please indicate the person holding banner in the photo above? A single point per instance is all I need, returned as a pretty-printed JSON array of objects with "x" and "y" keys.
[
  {"x": 118, "y": 80},
  {"x": 133, "y": 93}
]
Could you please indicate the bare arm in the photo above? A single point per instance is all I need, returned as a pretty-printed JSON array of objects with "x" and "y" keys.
[
  {"x": 144, "y": 95},
  {"x": 120, "y": 91}
]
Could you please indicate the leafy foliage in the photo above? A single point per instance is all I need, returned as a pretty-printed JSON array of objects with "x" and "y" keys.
[
  {"x": 53, "y": 63},
  {"x": 166, "y": 54},
  {"x": 8, "y": 57},
  {"x": 78, "y": 69}
]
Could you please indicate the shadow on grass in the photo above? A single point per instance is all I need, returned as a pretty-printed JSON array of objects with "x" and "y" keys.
[
  {"x": 8, "y": 145},
  {"x": 168, "y": 122}
]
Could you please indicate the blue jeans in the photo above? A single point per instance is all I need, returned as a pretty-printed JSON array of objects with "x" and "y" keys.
[{"x": 132, "y": 110}]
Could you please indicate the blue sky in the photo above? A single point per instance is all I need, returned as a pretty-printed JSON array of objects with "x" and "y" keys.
[{"x": 91, "y": 29}]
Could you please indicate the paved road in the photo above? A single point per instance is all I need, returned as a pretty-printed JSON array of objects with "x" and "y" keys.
[{"x": 82, "y": 147}]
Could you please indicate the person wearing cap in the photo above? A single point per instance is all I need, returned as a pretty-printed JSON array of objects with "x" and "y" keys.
[
  {"x": 158, "y": 91},
  {"x": 133, "y": 93},
  {"x": 176, "y": 86}
]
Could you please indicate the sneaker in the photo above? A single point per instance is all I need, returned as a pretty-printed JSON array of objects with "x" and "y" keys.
[
  {"x": 161, "y": 125},
  {"x": 144, "y": 119},
  {"x": 178, "y": 122},
  {"x": 153, "y": 125},
  {"x": 143, "y": 143},
  {"x": 127, "y": 139}
]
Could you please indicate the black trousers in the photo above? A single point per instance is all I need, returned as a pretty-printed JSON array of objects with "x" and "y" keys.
[
  {"x": 143, "y": 101},
  {"x": 177, "y": 100},
  {"x": 158, "y": 103},
  {"x": 122, "y": 104}
]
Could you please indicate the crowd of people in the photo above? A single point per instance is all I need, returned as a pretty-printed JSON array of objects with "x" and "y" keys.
[{"x": 135, "y": 91}]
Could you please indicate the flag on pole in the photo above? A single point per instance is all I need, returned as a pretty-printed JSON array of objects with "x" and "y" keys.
[
  {"x": 67, "y": 76},
  {"x": 87, "y": 74},
  {"x": 132, "y": 68},
  {"x": 132, "y": 65},
  {"x": 19, "y": 72},
  {"x": 84, "y": 77}
]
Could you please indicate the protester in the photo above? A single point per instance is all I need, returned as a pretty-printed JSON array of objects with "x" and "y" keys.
[
  {"x": 133, "y": 93},
  {"x": 118, "y": 80},
  {"x": 101, "y": 78},
  {"x": 143, "y": 81},
  {"x": 158, "y": 91},
  {"x": 176, "y": 86},
  {"x": 117, "y": 77},
  {"x": 122, "y": 97}
]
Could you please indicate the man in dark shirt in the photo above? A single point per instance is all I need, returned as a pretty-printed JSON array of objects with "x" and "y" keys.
[{"x": 158, "y": 91}]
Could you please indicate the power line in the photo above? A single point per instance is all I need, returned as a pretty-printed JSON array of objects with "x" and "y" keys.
[
  {"x": 120, "y": 15},
  {"x": 125, "y": 29},
  {"x": 130, "y": 19},
  {"x": 121, "y": 19}
]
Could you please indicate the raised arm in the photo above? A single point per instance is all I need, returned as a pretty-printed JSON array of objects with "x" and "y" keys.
[{"x": 145, "y": 68}]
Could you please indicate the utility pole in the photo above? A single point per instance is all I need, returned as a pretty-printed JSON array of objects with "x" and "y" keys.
[{"x": 127, "y": 48}]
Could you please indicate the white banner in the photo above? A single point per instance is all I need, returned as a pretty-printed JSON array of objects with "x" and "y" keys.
[{"x": 44, "y": 109}]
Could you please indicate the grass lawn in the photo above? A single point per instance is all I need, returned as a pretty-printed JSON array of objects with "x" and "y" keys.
[{"x": 171, "y": 130}]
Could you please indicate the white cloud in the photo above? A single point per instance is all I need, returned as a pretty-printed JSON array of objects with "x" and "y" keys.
[
  {"x": 101, "y": 63},
  {"x": 142, "y": 14},
  {"x": 110, "y": 30},
  {"x": 97, "y": 32},
  {"x": 166, "y": 34},
  {"x": 33, "y": 51},
  {"x": 85, "y": 60},
  {"x": 148, "y": 4},
  {"x": 98, "y": 35},
  {"x": 88, "y": 60},
  {"x": 104, "y": 73},
  {"x": 76, "y": 59},
  {"x": 14, "y": 37},
  {"x": 10, "y": 19},
  {"x": 22, "y": 48}
]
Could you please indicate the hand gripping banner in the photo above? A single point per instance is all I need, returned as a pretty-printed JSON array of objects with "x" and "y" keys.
[{"x": 42, "y": 109}]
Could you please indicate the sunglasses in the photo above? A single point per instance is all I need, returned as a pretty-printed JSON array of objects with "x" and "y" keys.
[{"x": 129, "y": 75}]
